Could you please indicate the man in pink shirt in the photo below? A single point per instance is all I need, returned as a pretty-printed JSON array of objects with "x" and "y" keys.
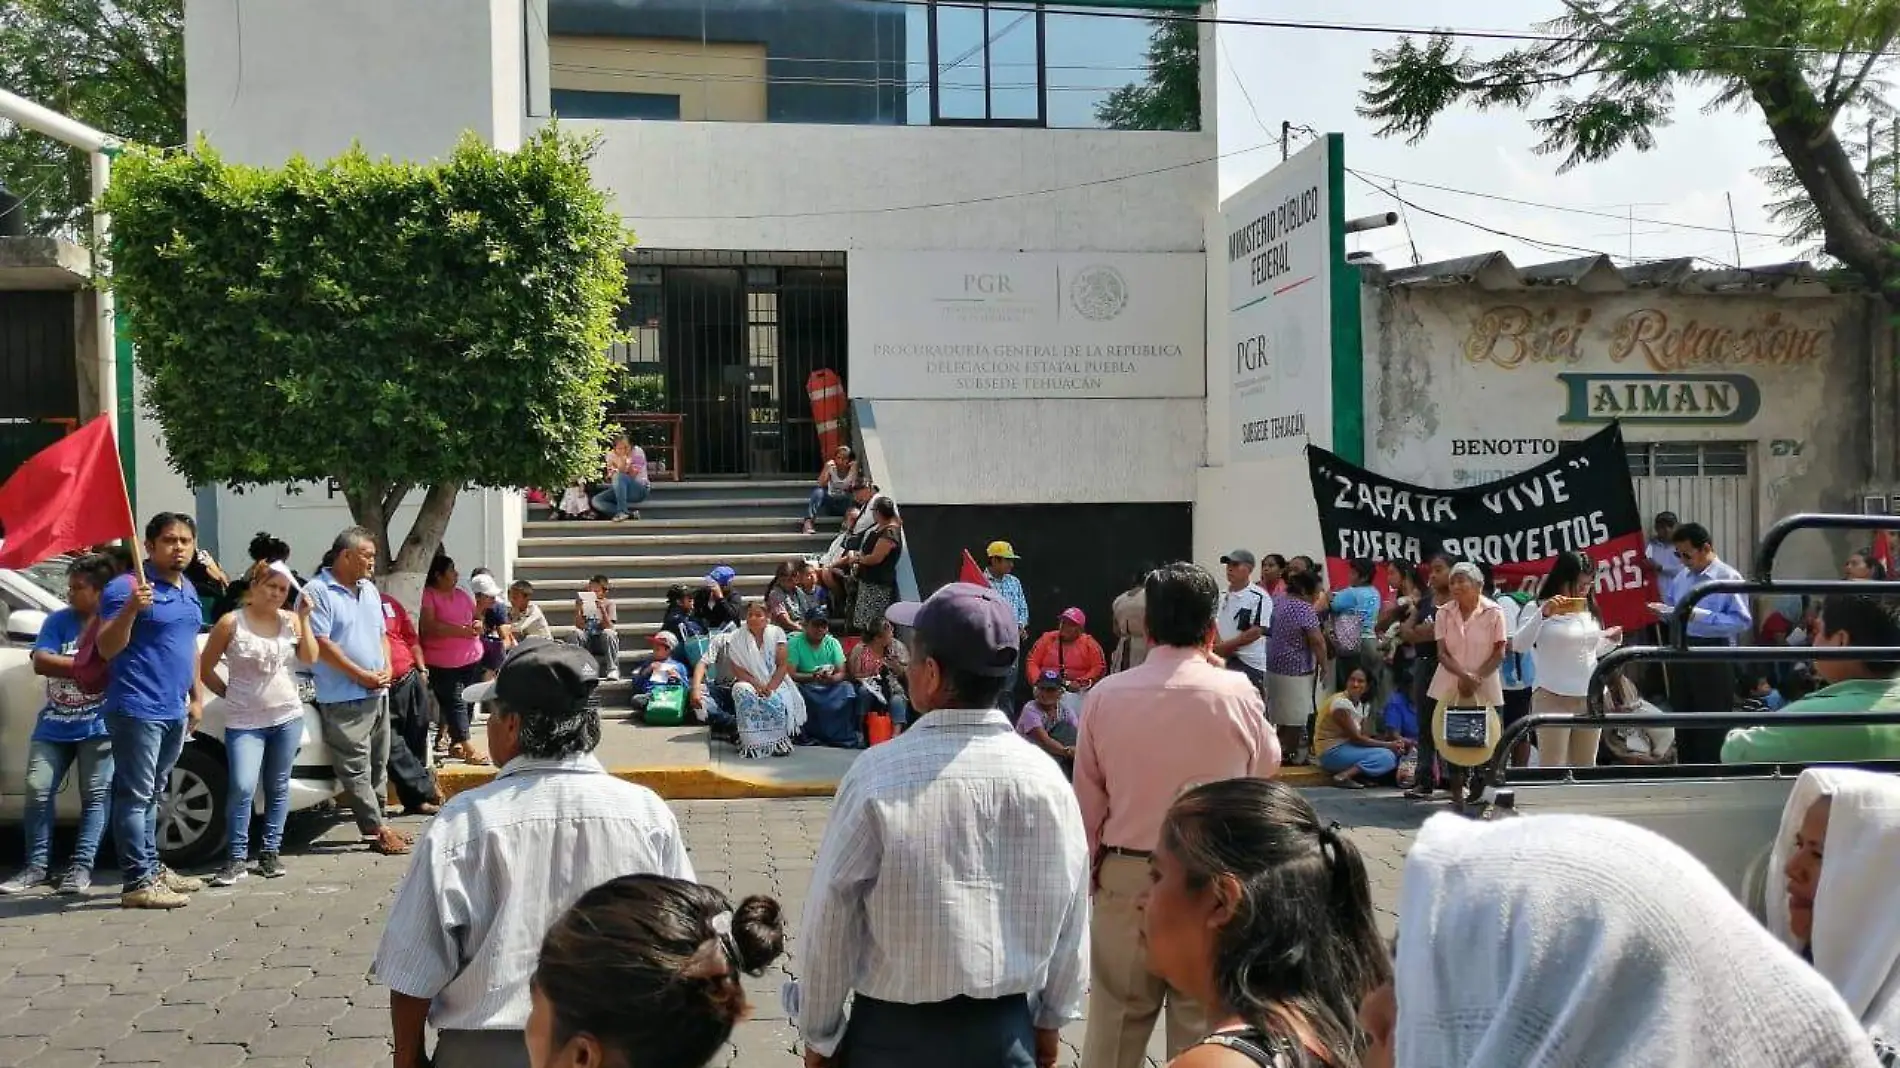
[{"x": 1148, "y": 733}]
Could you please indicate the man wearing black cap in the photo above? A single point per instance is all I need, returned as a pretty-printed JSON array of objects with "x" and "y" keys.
[
  {"x": 502, "y": 861},
  {"x": 951, "y": 890}
]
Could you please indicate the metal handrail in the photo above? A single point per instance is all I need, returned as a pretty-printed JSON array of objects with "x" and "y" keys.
[{"x": 1779, "y": 531}]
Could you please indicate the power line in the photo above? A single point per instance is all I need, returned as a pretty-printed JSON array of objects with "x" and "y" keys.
[
  {"x": 1523, "y": 36},
  {"x": 1549, "y": 246},
  {"x": 990, "y": 199},
  {"x": 1574, "y": 211}
]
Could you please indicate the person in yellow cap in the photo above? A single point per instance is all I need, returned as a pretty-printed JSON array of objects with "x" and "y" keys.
[{"x": 1002, "y": 579}]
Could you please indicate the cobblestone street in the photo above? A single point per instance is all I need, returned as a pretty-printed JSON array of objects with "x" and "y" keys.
[{"x": 276, "y": 974}]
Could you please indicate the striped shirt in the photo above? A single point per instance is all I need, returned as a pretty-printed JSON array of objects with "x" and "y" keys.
[
  {"x": 498, "y": 866},
  {"x": 954, "y": 865}
]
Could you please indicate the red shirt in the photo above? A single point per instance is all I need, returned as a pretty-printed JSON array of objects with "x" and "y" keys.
[{"x": 402, "y": 637}]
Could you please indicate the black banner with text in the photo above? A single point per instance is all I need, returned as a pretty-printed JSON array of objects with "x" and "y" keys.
[{"x": 1581, "y": 500}]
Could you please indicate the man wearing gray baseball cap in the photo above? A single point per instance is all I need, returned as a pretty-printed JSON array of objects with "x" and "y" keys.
[{"x": 956, "y": 834}]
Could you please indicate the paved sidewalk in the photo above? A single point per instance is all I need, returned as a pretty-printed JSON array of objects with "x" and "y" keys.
[{"x": 275, "y": 974}]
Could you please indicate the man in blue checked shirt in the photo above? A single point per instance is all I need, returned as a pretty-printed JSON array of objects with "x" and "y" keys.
[{"x": 1721, "y": 619}]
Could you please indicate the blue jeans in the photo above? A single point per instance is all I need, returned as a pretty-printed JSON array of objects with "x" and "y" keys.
[
  {"x": 825, "y": 502},
  {"x": 46, "y": 766},
  {"x": 1371, "y": 761},
  {"x": 265, "y": 755},
  {"x": 620, "y": 497},
  {"x": 143, "y": 753}
]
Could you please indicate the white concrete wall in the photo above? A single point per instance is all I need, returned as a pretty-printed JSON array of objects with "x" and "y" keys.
[
  {"x": 268, "y": 79},
  {"x": 1040, "y": 451},
  {"x": 751, "y": 186},
  {"x": 1265, "y": 506},
  {"x": 278, "y": 78}
]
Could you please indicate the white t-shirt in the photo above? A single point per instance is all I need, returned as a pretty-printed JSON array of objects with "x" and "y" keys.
[
  {"x": 1240, "y": 610},
  {"x": 1565, "y": 648}
]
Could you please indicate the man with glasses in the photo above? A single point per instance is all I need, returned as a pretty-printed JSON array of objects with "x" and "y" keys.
[{"x": 1721, "y": 619}]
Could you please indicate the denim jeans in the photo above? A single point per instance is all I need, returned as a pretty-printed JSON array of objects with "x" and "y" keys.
[
  {"x": 825, "y": 502},
  {"x": 620, "y": 497},
  {"x": 143, "y": 753},
  {"x": 263, "y": 756},
  {"x": 46, "y": 766},
  {"x": 1373, "y": 762}
]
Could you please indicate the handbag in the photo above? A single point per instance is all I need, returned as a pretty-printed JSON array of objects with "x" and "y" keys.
[
  {"x": 666, "y": 706},
  {"x": 91, "y": 671},
  {"x": 1467, "y": 727}
]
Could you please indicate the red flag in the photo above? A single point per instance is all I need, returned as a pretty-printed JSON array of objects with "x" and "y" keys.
[
  {"x": 1883, "y": 550},
  {"x": 68, "y": 496},
  {"x": 971, "y": 573}
]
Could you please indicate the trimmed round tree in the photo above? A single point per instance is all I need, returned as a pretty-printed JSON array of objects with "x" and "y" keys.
[{"x": 398, "y": 327}]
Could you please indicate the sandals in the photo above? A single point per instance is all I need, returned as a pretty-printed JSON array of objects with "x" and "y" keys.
[
  {"x": 1347, "y": 782},
  {"x": 1419, "y": 794},
  {"x": 468, "y": 754},
  {"x": 390, "y": 843}
]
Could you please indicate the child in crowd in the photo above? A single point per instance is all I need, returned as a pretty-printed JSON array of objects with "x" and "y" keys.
[{"x": 594, "y": 620}]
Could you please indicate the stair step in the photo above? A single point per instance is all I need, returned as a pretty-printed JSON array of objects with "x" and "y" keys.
[
  {"x": 558, "y": 528},
  {"x": 627, "y": 631},
  {"x": 629, "y": 538},
  {"x": 650, "y": 585},
  {"x": 786, "y": 509}
]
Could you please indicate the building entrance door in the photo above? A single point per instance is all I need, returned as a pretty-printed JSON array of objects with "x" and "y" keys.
[{"x": 733, "y": 337}]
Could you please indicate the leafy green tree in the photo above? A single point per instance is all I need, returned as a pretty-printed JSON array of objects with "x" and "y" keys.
[
  {"x": 399, "y": 327},
  {"x": 1170, "y": 99},
  {"x": 1608, "y": 76},
  {"x": 117, "y": 65}
]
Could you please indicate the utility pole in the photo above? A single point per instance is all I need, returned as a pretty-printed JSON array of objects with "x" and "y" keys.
[{"x": 1732, "y": 231}]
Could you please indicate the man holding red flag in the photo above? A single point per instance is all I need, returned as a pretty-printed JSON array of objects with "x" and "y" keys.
[
  {"x": 70, "y": 495},
  {"x": 149, "y": 637}
]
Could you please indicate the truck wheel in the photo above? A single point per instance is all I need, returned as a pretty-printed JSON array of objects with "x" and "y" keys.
[{"x": 191, "y": 823}]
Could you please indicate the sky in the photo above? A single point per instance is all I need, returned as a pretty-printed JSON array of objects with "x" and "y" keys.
[{"x": 1313, "y": 78}]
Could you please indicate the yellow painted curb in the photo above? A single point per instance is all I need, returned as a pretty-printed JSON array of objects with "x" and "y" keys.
[
  {"x": 706, "y": 784},
  {"x": 674, "y": 784},
  {"x": 1309, "y": 775}
]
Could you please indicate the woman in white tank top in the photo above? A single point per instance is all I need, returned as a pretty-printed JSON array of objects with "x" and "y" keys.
[{"x": 260, "y": 646}]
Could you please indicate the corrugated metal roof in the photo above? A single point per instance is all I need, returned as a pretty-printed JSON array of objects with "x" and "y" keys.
[{"x": 1600, "y": 274}]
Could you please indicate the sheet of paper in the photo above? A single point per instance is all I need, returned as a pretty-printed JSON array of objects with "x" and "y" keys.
[{"x": 589, "y": 607}]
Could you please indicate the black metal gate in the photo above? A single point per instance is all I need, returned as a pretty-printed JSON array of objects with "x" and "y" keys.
[
  {"x": 39, "y": 372},
  {"x": 738, "y": 335}
]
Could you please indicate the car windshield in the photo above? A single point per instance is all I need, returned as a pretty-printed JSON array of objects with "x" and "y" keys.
[{"x": 49, "y": 575}]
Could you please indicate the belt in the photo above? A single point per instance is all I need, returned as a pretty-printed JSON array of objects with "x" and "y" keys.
[{"x": 1137, "y": 854}]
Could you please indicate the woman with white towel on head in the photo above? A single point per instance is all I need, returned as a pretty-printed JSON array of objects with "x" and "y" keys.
[
  {"x": 1584, "y": 942},
  {"x": 1832, "y": 880}
]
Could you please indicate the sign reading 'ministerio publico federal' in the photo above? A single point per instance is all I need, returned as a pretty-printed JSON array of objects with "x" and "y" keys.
[
  {"x": 1014, "y": 325},
  {"x": 1285, "y": 238}
]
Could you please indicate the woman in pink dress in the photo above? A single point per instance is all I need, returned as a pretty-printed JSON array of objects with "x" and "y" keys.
[{"x": 452, "y": 651}]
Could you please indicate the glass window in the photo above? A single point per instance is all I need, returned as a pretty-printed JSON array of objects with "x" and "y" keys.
[{"x": 1006, "y": 62}]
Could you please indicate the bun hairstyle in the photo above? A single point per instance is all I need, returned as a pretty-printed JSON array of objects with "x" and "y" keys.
[
  {"x": 267, "y": 549},
  {"x": 650, "y": 967}
]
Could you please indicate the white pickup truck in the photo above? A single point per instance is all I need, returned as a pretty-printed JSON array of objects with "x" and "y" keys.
[
  {"x": 1724, "y": 815},
  {"x": 191, "y": 825}
]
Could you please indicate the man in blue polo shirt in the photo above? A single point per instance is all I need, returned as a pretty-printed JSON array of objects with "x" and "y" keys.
[
  {"x": 352, "y": 674},
  {"x": 153, "y": 701}
]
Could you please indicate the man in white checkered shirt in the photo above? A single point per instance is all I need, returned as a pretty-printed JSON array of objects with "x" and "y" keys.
[
  {"x": 503, "y": 861},
  {"x": 951, "y": 891}
]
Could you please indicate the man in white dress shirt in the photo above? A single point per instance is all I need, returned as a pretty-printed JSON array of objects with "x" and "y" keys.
[
  {"x": 951, "y": 890},
  {"x": 503, "y": 861}
]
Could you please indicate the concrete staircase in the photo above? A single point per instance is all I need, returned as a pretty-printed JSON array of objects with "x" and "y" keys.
[{"x": 685, "y": 530}]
